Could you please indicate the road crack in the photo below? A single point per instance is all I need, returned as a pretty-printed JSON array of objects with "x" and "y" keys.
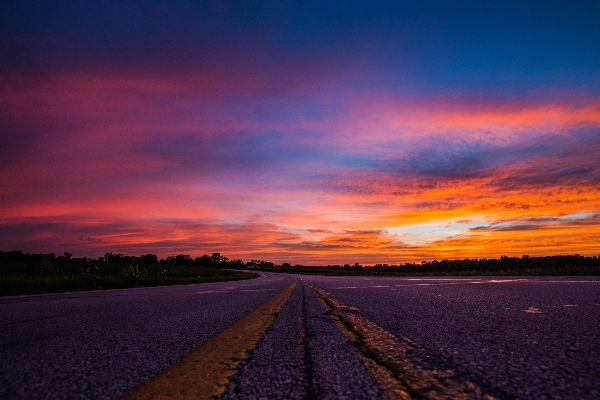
[{"x": 399, "y": 365}]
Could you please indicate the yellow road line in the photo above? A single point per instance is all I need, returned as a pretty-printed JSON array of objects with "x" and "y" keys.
[
  {"x": 204, "y": 373},
  {"x": 388, "y": 358}
]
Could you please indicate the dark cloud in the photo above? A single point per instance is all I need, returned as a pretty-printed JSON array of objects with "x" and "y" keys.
[
  {"x": 536, "y": 223},
  {"x": 591, "y": 219},
  {"x": 541, "y": 219},
  {"x": 364, "y": 232},
  {"x": 515, "y": 227},
  {"x": 538, "y": 160},
  {"x": 90, "y": 238}
]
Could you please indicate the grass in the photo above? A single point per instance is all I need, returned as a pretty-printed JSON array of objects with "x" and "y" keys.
[{"x": 18, "y": 278}]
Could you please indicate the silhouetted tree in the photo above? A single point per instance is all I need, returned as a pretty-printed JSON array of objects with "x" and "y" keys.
[
  {"x": 181, "y": 259},
  {"x": 204, "y": 262},
  {"x": 148, "y": 259}
]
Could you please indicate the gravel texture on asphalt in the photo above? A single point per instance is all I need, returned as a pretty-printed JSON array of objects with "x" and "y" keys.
[
  {"x": 103, "y": 344},
  {"x": 276, "y": 367},
  {"x": 524, "y": 338},
  {"x": 514, "y": 338},
  {"x": 302, "y": 355}
]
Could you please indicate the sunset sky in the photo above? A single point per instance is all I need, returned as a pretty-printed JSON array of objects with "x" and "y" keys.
[{"x": 302, "y": 132}]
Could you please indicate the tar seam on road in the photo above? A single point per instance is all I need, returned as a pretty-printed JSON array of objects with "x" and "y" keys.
[
  {"x": 388, "y": 359},
  {"x": 311, "y": 392},
  {"x": 205, "y": 371}
]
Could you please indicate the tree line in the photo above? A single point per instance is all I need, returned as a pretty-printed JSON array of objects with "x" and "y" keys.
[
  {"x": 551, "y": 265},
  {"x": 578, "y": 264},
  {"x": 215, "y": 260}
]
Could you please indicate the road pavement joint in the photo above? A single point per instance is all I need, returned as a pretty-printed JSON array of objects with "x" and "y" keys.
[
  {"x": 312, "y": 392},
  {"x": 278, "y": 366},
  {"x": 394, "y": 362},
  {"x": 303, "y": 356}
]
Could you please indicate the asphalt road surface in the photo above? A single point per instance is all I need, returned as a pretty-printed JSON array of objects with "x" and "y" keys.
[
  {"x": 102, "y": 344},
  {"x": 506, "y": 338},
  {"x": 515, "y": 338}
]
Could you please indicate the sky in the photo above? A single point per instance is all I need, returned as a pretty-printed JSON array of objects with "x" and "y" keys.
[{"x": 303, "y": 132}]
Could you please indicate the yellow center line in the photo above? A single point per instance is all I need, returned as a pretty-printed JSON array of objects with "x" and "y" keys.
[{"x": 205, "y": 371}]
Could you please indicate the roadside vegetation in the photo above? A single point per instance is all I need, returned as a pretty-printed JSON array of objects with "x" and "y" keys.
[
  {"x": 570, "y": 265},
  {"x": 23, "y": 273}
]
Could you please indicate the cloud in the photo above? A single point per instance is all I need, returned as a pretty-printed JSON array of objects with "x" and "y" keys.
[
  {"x": 543, "y": 222},
  {"x": 139, "y": 157},
  {"x": 513, "y": 227},
  {"x": 90, "y": 238}
]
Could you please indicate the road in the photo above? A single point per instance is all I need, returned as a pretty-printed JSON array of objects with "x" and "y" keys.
[
  {"x": 102, "y": 344},
  {"x": 523, "y": 338},
  {"x": 334, "y": 337}
]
